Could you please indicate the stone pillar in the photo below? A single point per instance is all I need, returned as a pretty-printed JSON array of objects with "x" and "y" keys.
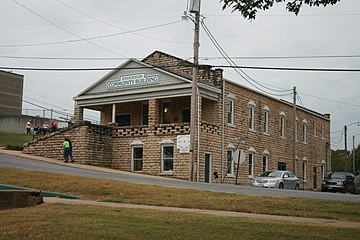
[
  {"x": 154, "y": 112},
  {"x": 78, "y": 114}
]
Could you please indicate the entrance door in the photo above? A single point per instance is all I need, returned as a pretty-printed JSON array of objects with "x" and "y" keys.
[
  {"x": 315, "y": 177},
  {"x": 208, "y": 167}
]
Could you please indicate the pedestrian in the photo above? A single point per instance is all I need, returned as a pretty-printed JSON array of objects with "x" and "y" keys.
[
  {"x": 28, "y": 127},
  {"x": 66, "y": 149},
  {"x": 70, "y": 153},
  {"x": 54, "y": 126}
]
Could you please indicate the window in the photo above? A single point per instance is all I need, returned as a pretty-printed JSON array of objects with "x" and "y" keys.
[
  {"x": 186, "y": 115},
  {"x": 266, "y": 121},
  {"x": 282, "y": 125},
  {"x": 230, "y": 119},
  {"x": 296, "y": 130},
  {"x": 166, "y": 112},
  {"x": 144, "y": 113},
  {"x": 123, "y": 120},
  {"x": 137, "y": 158},
  {"x": 265, "y": 162},
  {"x": 304, "y": 131},
  {"x": 251, "y": 164},
  {"x": 281, "y": 166},
  {"x": 322, "y": 131},
  {"x": 167, "y": 158},
  {"x": 230, "y": 163},
  {"x": 304, "y": 169},
  {"x": 315, "y": 128},
  {"x": 251, "y": 117}
]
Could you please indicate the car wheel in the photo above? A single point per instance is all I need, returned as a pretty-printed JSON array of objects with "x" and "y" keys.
[
  {"x": 281, "y": 185},
  {"x": 297, "y": 187}
]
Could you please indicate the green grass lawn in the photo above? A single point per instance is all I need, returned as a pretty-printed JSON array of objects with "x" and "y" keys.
[
  {"x": 125, "y": 192},
  {"x": 14, "y": 139},
  {"x": 57, "y": 221}
]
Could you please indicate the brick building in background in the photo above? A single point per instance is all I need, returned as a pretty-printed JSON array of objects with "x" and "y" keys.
[
  {"x": 11, "y": 93},
  {"x": 145, "y": 126}
]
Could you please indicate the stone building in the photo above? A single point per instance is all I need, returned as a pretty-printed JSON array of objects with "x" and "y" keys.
[
  {"x": 11, "y": 93},
  {"x": 145, "y": 126}
]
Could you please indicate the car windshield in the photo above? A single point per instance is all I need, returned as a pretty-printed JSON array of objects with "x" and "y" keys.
[
  {"x": 337, "y": 175},
  {"x": 271, "y": 174},
  {"x": 265, "y": 174}
]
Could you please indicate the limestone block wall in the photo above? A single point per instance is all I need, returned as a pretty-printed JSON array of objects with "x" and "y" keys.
[
  {"x": 279, "y": 148},
  {"x": 92, "y": 144}
]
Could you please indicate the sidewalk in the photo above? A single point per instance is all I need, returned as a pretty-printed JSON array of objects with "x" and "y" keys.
[{"x": 312, "y": 221}]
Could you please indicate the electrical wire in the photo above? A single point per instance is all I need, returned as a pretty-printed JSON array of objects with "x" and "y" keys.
[
  {"x": 232, "y": 64},
  {"x": 113, "y": 26},
  {"x": 66, "y": 30}
]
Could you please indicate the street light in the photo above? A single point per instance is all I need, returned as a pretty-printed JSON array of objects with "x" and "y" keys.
[{"x": 345, "y": 130}]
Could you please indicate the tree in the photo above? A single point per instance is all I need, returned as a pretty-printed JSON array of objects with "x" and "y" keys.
[{"x": 248, "y": 8}]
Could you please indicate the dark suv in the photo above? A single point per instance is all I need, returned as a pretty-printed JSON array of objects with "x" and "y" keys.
[{"x": 338, "y": 182}]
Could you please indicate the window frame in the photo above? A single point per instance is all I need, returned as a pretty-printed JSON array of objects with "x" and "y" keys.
[
  {"x": 251, "y": 163},
  {"x": 133, "y": 159},
  {"x": 282, "y": 125},
  {"x": 266, "y": 121},
  {"x": 304, "y": 131},
  {"x": 163, "y": 170},
  {"x": 230, "y": 162},
  {"x": 265, "y": 159},
  {"x": 231, "y": 110}
]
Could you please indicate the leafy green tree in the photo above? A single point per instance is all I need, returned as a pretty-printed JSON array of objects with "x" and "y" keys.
[
  {"x": 337, "y": 160},
  {"x": 338, "y": 157},
  {"x": 249, "y": 8}
]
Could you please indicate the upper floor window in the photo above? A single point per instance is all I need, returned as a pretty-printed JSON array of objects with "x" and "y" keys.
[
  {"x": 322, "y": 131},
  {"x": 266, "y": 119},
  {"x": 296, "y": 129},
  {"x": 230, "y": 115},
  {"x": 315, "y": 128},
  {"x": 144, "y": 113},
  {"x": 304, "y": 131},
  {"x": 166, "y": 112},
  {"x": 282, "y": 124},
  {"x": 251, "y": 115}
]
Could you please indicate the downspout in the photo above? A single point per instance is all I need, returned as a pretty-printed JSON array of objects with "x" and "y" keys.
[{"x": 223, "y": 129}]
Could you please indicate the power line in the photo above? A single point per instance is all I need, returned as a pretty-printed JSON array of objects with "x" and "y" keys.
[
  {"x": 238, "y": 70},
  {"x": 213, "y": 66},
  {"x": 203, "y": 58},
  {"x": 285, "y": 57},
  {"x": 106, "y": 23},
  {"x": 64, "y": 29}
]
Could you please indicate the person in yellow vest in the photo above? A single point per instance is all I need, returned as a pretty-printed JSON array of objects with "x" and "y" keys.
[{"x": 66, "y": 150}]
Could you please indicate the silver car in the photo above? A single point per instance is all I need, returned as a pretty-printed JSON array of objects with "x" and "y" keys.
[{"x": 276, "y": 179}]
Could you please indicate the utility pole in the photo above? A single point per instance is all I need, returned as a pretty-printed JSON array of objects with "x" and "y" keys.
[
  {"x": 194, "y": 8},
  {"x": 346, "y": 155},
  {"x": 294, "y": 132},
  {"x": 353, "y": 154}
]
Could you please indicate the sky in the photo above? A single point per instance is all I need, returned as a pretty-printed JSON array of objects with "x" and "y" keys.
[{"x": 39, "y": 35}]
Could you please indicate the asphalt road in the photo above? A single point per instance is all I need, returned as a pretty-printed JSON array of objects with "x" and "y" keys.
[{"x": 96, "y": 172}]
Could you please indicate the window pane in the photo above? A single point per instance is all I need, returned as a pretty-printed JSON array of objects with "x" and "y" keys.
[
  {"x": 138, "y": 152},
  {"x": 167, "y": 158},
  {"x": 168, "y": 151},
  {"x": 137, "y": 158}
]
